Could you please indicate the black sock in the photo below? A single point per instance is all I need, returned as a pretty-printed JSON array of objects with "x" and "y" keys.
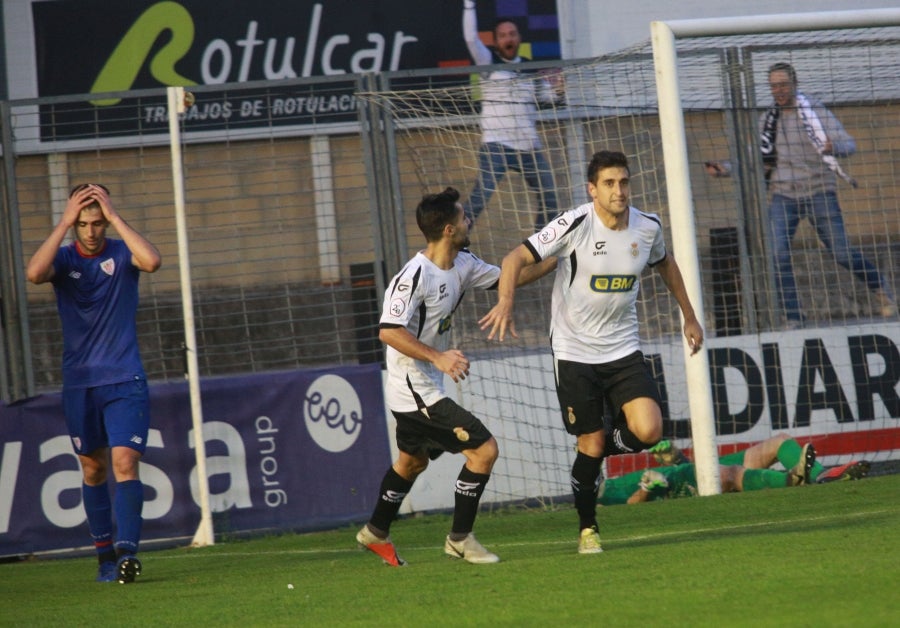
[
  {"x": 620, "y": 440},
  {"x": 468, "y": 490},
  {"x": 393, "y": 489},
  {"x": 585, "y": 484}
]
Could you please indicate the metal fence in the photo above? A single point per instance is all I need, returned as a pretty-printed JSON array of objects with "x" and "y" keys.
[{"x": 300, "y": 196}]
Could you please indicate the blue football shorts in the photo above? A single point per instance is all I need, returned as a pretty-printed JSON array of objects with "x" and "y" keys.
[{"x": 114, "y": 415}]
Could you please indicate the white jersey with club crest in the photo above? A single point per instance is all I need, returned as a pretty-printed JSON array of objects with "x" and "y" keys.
[
  {"x": 594, "y": 318},
  {"x": 422, "y": 298}
]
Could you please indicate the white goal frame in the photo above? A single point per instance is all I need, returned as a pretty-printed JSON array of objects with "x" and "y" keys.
[{"x": 675, "y": 157}]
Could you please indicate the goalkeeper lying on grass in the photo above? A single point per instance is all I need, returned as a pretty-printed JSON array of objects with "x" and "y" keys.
[{"x": 746, "y": 470}]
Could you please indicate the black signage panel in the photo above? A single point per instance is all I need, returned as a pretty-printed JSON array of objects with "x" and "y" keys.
[{"x": 101, "y": 47}]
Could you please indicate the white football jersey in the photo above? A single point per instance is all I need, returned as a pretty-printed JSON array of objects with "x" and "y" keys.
[
  {"x": 422, "y": 298},
  {"x": 594, "y": 318}
]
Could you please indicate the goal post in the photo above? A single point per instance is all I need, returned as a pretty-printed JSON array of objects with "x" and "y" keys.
[
  {"x": 674, "y": 146},
  {"x": 692, "y": 93},
  {"x": 680, "y": 197}
]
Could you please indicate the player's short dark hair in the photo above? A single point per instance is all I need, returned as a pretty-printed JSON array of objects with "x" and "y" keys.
[
  {"x": 81, "y": 186},
  {"x": 784, "y": 67},
  {"x": 504, "y": 20},
  {"x": 435, "y": 211},
  {"x": 606, "y": 159},
  {"x": 94, "y": 204}
]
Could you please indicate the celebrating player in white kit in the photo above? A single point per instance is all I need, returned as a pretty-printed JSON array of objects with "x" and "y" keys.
[
  {"x": 415, "y": 325},
  {"x": 601, "y": 247}
]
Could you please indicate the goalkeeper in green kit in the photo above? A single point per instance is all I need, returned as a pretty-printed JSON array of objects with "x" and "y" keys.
[{"x": 746, "y": 470}]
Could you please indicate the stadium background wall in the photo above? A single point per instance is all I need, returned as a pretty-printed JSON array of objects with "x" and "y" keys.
[{"x": 266, "y": 300}]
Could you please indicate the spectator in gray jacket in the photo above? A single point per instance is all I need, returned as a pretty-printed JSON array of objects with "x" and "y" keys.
[{"x": 800, "y": 141}]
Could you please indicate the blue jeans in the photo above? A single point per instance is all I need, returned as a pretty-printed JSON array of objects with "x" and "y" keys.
[
  {"x": 824, "y": 213},
  {"x": 493, "y": 162}
]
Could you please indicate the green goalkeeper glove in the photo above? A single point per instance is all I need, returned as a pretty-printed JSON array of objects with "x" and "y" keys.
[{"x": 652, "y": 480}]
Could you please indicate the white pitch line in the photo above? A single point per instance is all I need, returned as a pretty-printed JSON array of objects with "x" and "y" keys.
[{"x": 567, "y": 541}]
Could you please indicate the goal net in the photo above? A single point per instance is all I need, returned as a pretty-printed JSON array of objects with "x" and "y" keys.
[{"x": 834, "y": 381}]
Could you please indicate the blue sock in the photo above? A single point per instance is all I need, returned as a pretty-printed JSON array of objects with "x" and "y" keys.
[
  {"x": 129, "y": 504},
  {"x": 98, "y": 508}
]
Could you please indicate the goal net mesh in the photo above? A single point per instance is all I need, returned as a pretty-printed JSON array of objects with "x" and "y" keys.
[{"x": 824, "y": 382}]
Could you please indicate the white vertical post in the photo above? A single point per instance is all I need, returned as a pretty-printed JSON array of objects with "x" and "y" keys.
[
  {"x": 204, "y": 534},
  {"x": 681, "y": 207},
  {"x": 58, "y": 175},
  {"x": 326, "y": 215}
]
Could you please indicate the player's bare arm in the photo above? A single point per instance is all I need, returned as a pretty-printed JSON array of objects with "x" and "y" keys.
[
  {"x": 638, "y": 497},
  {"x": 671, "y": 276},
  {"x": 452, "y": 362},
  {"x": 40, "y": 266},
  {"x": 500, "y": 318},
  {"x": 532, "y": 273}
]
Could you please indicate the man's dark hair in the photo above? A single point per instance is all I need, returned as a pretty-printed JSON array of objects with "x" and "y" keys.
[
  {"x": 503, "y": 20},
  {"x": 435, "y": 211},
  {"x": 81, "y": 186},
  {"x": 784, "y": 67},
  {"x": 94, "y": 204},
  {"x": 606, "y": 159}
]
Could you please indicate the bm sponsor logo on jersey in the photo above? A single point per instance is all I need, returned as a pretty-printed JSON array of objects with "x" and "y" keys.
[{"x": 612, "y": 283}]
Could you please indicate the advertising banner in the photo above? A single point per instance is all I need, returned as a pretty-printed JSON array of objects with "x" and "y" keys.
[
  {"x": 288, "y": 451},
  {"x": 121, "y": 46},
  {"x": 838, "y": 388}
]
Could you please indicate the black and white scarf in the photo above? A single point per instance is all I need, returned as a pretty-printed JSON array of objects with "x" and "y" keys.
[
  {"x": 767, "y": 140},
  {"x": 814, "y": 130}
]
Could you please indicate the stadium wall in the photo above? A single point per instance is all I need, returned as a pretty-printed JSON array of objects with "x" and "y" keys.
[{"x": 305, "y": 450}]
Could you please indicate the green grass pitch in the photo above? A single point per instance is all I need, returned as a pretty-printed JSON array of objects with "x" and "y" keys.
[{"x": 810, "y": 556}]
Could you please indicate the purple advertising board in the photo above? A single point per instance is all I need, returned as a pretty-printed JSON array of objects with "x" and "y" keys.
[{"x": 299, "y": 450}]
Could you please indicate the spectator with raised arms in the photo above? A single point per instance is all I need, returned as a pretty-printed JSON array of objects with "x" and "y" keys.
[{"x": 509, "y": 101}]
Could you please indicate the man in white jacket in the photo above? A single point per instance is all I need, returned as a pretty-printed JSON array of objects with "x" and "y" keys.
[{"x": 509, "y": 136}]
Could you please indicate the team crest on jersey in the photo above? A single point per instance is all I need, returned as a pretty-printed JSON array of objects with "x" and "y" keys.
[
  {"x": 634, "y": 249},
  {"x": 571, "y": 415},
  {"x": 398, "y": 306},
  {"x": 547, "y": 235},
  {"x": 108, "y": 266}
]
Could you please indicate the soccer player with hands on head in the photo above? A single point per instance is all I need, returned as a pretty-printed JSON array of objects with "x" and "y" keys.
[{"x": 105, "y": 396}]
